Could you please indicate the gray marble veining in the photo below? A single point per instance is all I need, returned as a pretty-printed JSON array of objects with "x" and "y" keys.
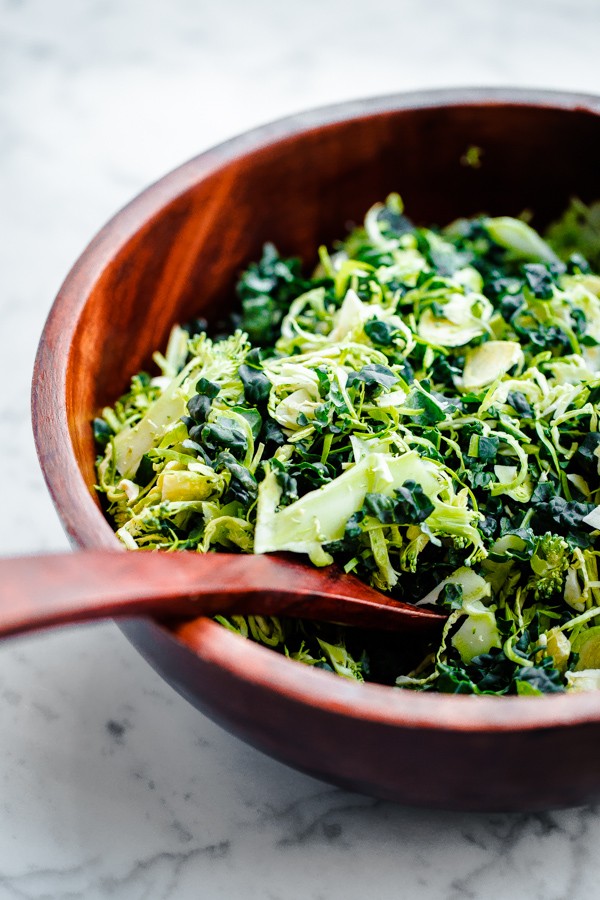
[{"x": 112, "y": 786}]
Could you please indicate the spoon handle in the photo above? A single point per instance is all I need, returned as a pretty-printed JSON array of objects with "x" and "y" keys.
[{"x": 44, "y": 591}]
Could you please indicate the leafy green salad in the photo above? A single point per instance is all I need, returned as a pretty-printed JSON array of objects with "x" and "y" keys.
[{"x": 423, "y": 410}]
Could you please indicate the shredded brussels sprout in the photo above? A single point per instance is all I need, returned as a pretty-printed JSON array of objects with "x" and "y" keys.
[{"x": 424, "y": 411}]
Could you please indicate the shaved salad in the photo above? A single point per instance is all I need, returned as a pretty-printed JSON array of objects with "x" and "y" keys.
[{"x": 422, "y": 410}]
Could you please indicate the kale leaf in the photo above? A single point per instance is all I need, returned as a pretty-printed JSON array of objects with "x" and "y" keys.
[{"x": 409, "y": 505}]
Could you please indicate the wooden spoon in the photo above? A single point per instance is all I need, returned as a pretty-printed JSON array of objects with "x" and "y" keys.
[{"x": 42, "y": 591}]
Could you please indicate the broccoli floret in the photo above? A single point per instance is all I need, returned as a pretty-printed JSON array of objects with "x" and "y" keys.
[{"x": 549, "y": 563}]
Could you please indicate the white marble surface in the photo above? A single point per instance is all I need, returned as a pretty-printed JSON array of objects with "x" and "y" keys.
[{"x": 112, "y": 786}]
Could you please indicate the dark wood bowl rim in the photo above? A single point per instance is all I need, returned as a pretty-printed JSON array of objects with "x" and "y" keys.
[{"x": 87, "y": 528}]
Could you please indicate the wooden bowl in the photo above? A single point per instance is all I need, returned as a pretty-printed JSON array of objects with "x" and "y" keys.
[{"x": 174, "y": 253}]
